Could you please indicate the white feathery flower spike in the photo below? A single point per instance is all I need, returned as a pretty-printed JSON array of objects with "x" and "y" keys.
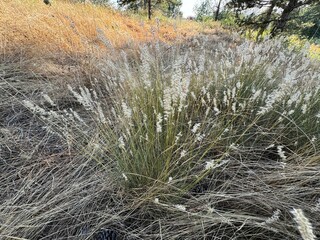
[
  {"x": 125, "y": 177},
  {"x": 159, "y": 123},
  {"x": 49, "y": 100},
  {"x": 275, "y": 217},
  {"x": 127, "y": 111},
  {"x": 183, "y": 153},
  {"x": 121, "y": 143},
  {"x": 180, "y": 207},
  {"x": 195, "y": 127},
  {"x": 212, "y": 164},
  {"x": 281, "y": 153},
  {"x": 304, "y": 225}
]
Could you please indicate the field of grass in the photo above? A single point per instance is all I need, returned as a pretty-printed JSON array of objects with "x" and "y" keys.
[
  {"x": 79, "y": 28},
  {"x": 155, "y": 130}
]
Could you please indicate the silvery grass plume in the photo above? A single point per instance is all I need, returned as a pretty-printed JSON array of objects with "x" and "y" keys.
[
  {"x": 304, "y": 225},
  {"x": 68, "y": 123}
]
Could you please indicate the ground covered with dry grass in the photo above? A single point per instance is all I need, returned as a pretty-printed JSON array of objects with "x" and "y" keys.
[
  {"x": 80, "y": 28},
  {"x": 210, "y": 138}
]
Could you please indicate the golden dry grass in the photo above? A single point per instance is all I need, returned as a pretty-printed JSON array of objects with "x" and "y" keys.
[{"x": 36, "y": 28}]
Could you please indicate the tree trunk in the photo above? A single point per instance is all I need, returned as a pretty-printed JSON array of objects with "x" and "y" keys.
[
  {"x": 149, "y": 9},
  {"x": 217, "y": 11},
  {"x": 285, "y": 16},
  {"x": 266, "y": 21}
]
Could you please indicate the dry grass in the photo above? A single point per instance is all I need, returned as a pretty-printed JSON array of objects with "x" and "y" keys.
[
  {"x": 79, "y": 28},
  {"x": 53, "y": 189},
  {"x": 62, "y": 42}
]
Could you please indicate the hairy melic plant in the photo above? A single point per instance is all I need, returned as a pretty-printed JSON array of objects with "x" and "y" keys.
[{"x": 168, "y": 117}]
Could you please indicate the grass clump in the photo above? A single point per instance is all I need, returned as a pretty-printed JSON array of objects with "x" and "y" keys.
[
  {"x": 176, "y": 111},
  {"x": 172, "y": 112},
  {"x": 203, "y": 139}
]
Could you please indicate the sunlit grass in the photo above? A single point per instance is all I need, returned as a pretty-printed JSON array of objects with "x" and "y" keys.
[
  {"x": 215, "y": 137},
  {"x": 78, "y": 28}
]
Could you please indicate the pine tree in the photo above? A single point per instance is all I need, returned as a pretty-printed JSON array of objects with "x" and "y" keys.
[
  {"x": 276, "y": 13},
  {"x": 170, "y": 7}
]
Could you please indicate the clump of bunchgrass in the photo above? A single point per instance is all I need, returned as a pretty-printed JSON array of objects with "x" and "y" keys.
[
  {"x": 205, "y": 135},
  {"x": 178, "y": 111},
  {"x": 173, "y": 114}
]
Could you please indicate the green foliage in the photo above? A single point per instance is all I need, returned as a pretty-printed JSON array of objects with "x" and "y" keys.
[
  {"x": 277, "y": 21},
  {"x": 204, "y": 10},
  {"x": 229, "y": 19},
  {"x": 208, "y": 9},
  {"x": 97, "y": 2},
  {"x": 170, "y": 8},
  {"x": 306, "y": 23},
  {"x": 133, "y": 4}
]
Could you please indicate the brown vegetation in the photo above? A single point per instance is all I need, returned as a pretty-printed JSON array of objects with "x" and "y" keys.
[{"x": 39, "y": 29}]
